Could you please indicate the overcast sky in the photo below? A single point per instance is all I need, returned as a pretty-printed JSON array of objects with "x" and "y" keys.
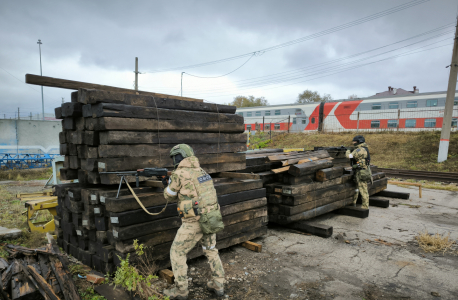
[{"x": 97, "y": 41}]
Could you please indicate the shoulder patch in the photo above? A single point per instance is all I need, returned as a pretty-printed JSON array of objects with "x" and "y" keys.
[
  {"x": 359, "y": 149},
  {"x": 204, "y": 178}
]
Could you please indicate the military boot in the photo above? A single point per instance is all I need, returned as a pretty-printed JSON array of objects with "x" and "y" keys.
[
  {"x": 176, "y": 293},
  {"x": 215, "y": 287}
]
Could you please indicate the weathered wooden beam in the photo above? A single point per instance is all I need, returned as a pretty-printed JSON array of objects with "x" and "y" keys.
[
  {"x": 75, "y": 85},
  {"x": 393, "y": 194},
  {"x": 131, "y": 124},
  {"x": 138, "y": 112},
  {"x": 135, "y": 137},
  {"x": 309, "y": 167},
  {"x": 353, "y": 211},
  {"x": 328, "y": 174},
  {"x": 321, "y": 230}
]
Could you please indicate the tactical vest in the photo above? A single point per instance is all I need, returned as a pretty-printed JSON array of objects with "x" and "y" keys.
[{"x": 206, "y": 205}]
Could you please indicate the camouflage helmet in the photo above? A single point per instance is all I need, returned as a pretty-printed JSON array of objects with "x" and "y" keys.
[
  {"x": 359, "y": 139},
  {"x": 182, "y": 149}
]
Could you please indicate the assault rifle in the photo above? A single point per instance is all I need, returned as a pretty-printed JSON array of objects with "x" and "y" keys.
[{"x": 146, "y": 172}]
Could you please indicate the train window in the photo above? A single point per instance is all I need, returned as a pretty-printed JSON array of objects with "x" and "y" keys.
[
  {"x": 412, "y": 104},
  {"x": 455, "y": 103},
  {"x": 430, "y": 123},
  {"x": 267, "y": 127},
  {"x": 303, "y": 121},
  {"x": 431, "y": 103},
  {"x": 267, "y": 113},
  {"x": 298, "y": 111},
  {"x": 294, "y": 120},
  {"x": 240, "y": 114},
  {"x": 392, "y": 123},
  {"x": 277, "y": 126},
  {"x": 454, "y": 122},
  {"x": 411, "y": 123},
  {"x": 249, "y": 113},
  {"x": 375, "y": 124},
  {"x": 258, "y": 113},
  {"x": 313, "y": 120},
  {"x": 248, "y": 127},
  {"x": 377, "y": 106},
  {"x": 393, "y": 105},
  {"x": 278, "y": 112}
]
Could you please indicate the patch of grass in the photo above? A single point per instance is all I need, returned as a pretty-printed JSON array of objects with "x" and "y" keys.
[
  {"x": 76, "y": 269},
  {"x": 434, "y": 243},
  {"x": 90, "y": 294},
  {"x": 428, "y": 185},
  {"x": 26, "y": 174},
  {"x": 397, "y": 150}
]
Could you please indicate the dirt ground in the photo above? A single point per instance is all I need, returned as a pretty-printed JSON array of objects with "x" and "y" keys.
[
  {"x": 373, "y": 258},
  {"x": 351, "y": 264}
]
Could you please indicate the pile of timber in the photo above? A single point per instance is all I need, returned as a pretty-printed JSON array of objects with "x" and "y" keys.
[
  {"x": 98, "y": 229},
  {"x": 36, "y": 274},
  {"x": 303, "y": 185},
  {"x": 111, "y": 132}
]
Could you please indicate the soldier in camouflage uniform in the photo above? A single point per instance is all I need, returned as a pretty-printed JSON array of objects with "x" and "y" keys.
[
  {"x": 191, "y": 185},
  {"x": 359, "y": 156}
]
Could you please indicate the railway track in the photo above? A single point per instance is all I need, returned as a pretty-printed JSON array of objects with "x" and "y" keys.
[{"x": 422, "y": 175}]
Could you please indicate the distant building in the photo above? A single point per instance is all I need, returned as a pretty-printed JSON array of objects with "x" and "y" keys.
[{"x": 395, "y": 92}]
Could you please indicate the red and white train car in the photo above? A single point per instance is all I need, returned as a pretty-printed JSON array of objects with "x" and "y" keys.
[{"x": 413, "y": 111}]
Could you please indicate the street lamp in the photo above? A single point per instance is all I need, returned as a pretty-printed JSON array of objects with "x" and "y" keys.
[{"x": 41, "y": 74}]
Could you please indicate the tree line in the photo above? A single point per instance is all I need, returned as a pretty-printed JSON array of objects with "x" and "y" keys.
[{"x": 306, "y": 96}]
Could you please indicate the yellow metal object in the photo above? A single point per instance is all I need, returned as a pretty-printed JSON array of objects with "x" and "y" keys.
[
  {"x": 293, "y": 149},
  {"x": 36, "y": 202}
]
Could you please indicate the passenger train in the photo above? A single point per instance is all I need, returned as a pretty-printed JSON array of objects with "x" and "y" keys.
[{"x": 414, "y": 111}]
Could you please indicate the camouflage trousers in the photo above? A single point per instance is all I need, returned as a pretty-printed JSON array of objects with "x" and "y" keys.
[
  {"x": 362, "y": 187},
  {"x": 187, "y": 237}
]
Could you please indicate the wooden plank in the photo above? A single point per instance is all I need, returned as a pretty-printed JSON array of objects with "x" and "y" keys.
[
  {"x": 281, "y": 219},
  {"x": 252, "y": 246},
  {"x": 167, "y": 275},
  {"x": 304, "y": 188},
  {"x": 135, "y": 137},
  {"x": 48, "y": 291},
  {"x": 293, "y": 180},
  {"x": 64, "y": 278},
  {"x": 145, "y": 150},
  {"x": 321, "y": 230},
  {"x": 75, "y": 85},
  {"x": 238, "y": 175},
  {"x": 131, "y": 124},
  {"x": 328, "y": 174},
  {"x": 353, "y": 211},
  {"x": 376, "y": 201},
  {"x": 317, "y": 194},
  {"x": 309, "y": 167},
  {"x": 134, "y": 163},
  {"x": 58, "y": 113},
  {"x": 243, "y": 206},
  {"x": 137, "y": 112},
  {"x": 393, "y": 194}
]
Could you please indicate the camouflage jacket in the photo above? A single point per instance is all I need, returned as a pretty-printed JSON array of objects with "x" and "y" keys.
[
  {"x": 190, "y": 182},
  {"x": 359, "y": 154}
]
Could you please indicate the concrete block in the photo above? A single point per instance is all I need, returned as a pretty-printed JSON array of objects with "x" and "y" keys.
[{"x": 9, "y": 233}]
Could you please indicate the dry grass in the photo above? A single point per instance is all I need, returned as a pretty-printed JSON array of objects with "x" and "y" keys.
[
  {"x": 26, "y": 174},
  {"x": 410, "y": 151},
  {"x": 434, "y": 243}
]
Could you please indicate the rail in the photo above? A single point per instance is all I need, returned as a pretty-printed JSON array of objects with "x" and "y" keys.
[{"x": 421, "y": 175}]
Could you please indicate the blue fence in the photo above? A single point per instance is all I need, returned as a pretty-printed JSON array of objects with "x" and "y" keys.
[{"x": 25, "y": 161}]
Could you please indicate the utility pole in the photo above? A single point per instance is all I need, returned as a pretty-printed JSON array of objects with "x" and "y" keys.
[
  {"x": 41, "y": 73},
  {"x": 18, "y": 116},
  {"x": 448, "y": 111},
  {"x": 136, "y": 73},
  {"x": 182, "y": 84}
]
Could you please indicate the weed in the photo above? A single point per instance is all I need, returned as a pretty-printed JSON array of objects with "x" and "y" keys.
[
  {"x": 90, "y": 294},
  {"x": 434, "y": 243},
  {"x": 138, "y": 279},
  {"x": 76, "y": 269},
  {"x": 26, "y": 174}
]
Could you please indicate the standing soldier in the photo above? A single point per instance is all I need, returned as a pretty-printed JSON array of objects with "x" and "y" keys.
[
  {"x": 360, "y": 162},
  {"x": 201, "y": 219}
]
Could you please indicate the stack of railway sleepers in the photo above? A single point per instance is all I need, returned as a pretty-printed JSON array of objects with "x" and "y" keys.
[
  {"x": 111, "y": 131},
  {"x": 330, "y": 190},
  {"x": 338, "y": 155},
  {"x": 121, "y": 221}
]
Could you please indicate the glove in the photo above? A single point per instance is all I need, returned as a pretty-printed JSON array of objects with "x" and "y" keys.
[
  {"x": 165, "y": 181},
  {"x": 348, "y": 152}
]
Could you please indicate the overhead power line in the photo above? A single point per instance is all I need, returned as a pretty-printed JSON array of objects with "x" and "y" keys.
[
  {"x": 306, "y": 38},
  {"x": 254, "y": 54}
]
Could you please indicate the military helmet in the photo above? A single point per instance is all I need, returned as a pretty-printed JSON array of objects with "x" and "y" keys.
[
  {"x": 359, "y": 139},
  {"x": 180, "y": 152}
]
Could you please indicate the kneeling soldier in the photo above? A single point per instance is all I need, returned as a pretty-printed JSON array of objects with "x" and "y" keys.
[{"x": 201, "y": 219}]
